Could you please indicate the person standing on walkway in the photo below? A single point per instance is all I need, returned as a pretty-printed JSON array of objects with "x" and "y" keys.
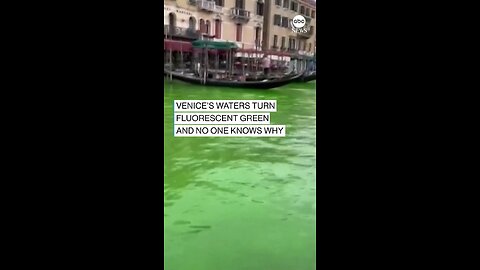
[{"x": 266, "y": 65}]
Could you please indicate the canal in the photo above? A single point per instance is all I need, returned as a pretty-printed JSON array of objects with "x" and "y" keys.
[{"x": 242, "y": 203}]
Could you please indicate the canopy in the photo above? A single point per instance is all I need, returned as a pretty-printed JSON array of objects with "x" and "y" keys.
[
  {"x": 177, "y": 45},
  {"x": 209, "y": 44}
]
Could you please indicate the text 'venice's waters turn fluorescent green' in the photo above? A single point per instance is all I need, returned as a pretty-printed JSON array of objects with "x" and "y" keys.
[{"x": 242, "y": 203}]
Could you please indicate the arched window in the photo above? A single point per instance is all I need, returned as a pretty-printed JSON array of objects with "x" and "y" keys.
[
  {"x": 239, "y": 32},
  {"x": 202, "y": 26},
  {"x": 191, "y": 23},
  {"x": 208, "y": 27},
  {"x": 257, "y": 35},
  {"x": 171, "y": 23},
  {"x": 218, "y": 28}
]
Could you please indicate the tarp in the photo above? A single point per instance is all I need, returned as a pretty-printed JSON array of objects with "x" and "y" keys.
[{"x": 209, "y": 44}]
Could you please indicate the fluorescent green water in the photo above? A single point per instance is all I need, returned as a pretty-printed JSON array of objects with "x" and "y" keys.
[{"x": 242, "y": 203}]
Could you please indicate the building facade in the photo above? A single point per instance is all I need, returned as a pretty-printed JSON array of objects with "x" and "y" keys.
[
  {"x": 239, "y": 21},
  {"x": 278, "y": 34}
]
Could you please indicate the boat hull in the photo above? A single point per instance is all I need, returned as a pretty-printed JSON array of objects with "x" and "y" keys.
[
  {"x": 307, "y": 78},
  {"x": 268, "y": 84}
]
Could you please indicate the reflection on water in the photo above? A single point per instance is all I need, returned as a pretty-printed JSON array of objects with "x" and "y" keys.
[{"x": 242, "y": 203}]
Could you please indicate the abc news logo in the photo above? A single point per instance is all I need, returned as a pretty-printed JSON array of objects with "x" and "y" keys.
[{"x": 298, "y": 24}]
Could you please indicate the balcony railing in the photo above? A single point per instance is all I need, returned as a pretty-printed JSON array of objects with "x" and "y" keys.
[
  {"x": 307, "y": 35},
  {"x": 181, "y": 32},
  {"x": 207, "y": 5},
  {"x": 240, "y": 14}
]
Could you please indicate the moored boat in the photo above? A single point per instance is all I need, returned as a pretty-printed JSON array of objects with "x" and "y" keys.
[
  {"x": 265, "y": 84},
  {"x": 308, "y": 77}
]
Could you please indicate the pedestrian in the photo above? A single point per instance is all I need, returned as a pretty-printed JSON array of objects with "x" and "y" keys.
[
  {"x": 198, "y": 69},
  {"x": 266, "y": 65}
]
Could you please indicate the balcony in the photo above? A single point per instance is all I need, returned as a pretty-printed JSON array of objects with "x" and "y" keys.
[
  {"x": 240, "y": 15},
  {"x": 308, "y": 19},
  {"x": 306, "y": 35},
  {"x": 207, "y": 5},
  {"x": 181, "y": 32}
]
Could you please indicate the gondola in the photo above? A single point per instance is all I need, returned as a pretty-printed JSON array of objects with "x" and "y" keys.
[
  {"x": 266, "y": 84},
  {"x": 262, "y": 77},
  {"x": 307, "y": 78}
]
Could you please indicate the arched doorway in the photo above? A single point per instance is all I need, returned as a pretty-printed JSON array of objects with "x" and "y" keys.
[{"x": 171, "y": 23}]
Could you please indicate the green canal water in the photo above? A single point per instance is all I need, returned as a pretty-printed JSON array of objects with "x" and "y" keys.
[{"x": 242, "y": 203}]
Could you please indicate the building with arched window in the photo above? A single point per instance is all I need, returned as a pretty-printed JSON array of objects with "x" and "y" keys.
[
  {"x": 263, "y": 25},
  {"x": 240, "y": 21}
]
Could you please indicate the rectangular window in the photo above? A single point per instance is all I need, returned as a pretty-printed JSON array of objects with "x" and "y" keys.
[
  {"x": 275, "y": 41},
  {"x": 285, "y": 3},
  {"x": 302, "y": 10},
  {"x": 260, "y": 8},
  {"x": 278, "y": 2},
  {"x": 283, "y": 42},
  {"x": 307, "y": 12},
  {"x": 285, "y": 22},
  {"x": 240, "y": 4},
  {"x": 294, "y": 44},
  {"x": 313, "y": 13},
  {"x": 277, "y": 19},
  {"x": 220, "y": 3},
  {"x": 310, "y": 47},
  {"x": 239, "y": 32}
]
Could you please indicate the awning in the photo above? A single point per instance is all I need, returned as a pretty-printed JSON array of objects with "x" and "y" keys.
[
  {"x": 278, "y": 53},
  {"x": 209, "y": 44},
  {"x": 177, "y": 45}
]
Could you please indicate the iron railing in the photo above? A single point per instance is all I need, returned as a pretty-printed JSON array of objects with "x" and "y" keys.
[
  {"x": 239, "y": 13},
  {"x": 181, "y": 32},
  {"x": 207, "y": 5},
  {"x": 308, "y": 34}
]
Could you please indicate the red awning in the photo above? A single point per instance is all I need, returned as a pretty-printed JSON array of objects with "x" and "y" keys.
[{"x": 177, "y": 45}]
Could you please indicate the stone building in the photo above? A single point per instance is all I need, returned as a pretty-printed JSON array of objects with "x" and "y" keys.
[
  {"x": 240, "y": 21},
  {"x": 255, "y": 25},
  {"x": 278, "y": 34}
]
